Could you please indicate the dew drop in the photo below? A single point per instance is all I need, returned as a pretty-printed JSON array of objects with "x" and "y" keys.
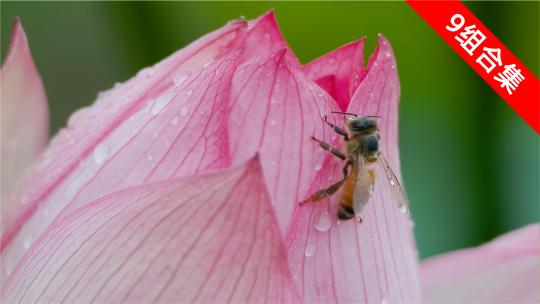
[
  {"x": 174, "y": 121},
  {"x": 150, "y": 158},
  {"x": 338, "y": 222},
  {"x": 273, "y": 123},
  {"x": 323, "y": 222},
  {"x": 156, "y": 135},
  {"x": 273, "y": 163},
  {"x": 25, "y": 198},
  {"x": 47, "y": 212},
  {"x": 184, "y": 111},
  {"x": 161, "y": 102},
  {"x": 179, "y": 79},
  {"x": 27, "y": 242},
  {"x": 207, "y": 64},
  {"x": 100, "y": 153},
  {"x": 189, "y": 92},
  {"x": 318, "y": 167},
  {"x": 392, "y": 182},
  {"x": 403, "y": 208},
  {"x": 310, "y": 250},
  {"x": 387, "y": 53},
  {"x": 273, "y": 101},
  {"x": 149, "y": 105}
]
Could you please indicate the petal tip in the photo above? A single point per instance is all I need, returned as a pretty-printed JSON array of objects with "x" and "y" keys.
[{"x": 19, "y": 42}]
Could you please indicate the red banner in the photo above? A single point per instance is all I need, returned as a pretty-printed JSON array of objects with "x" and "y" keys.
[{"x": 485, "y": 54}]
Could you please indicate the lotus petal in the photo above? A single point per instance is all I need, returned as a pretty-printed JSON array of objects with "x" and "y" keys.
[
  {"x": 211, "y": 238},
  {"x": 275, "y": 110},
  {"x": 25, "y": 126},
  {"x": 339, "y": 72},
  {"x": 345, "y": 261},
  {"x": 505, "y": 270},
  {"x": 168, "y": 121}
]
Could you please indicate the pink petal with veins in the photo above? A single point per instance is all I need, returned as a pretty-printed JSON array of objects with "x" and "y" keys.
[
  {"x": 209, "y": 239},
  {"x": 274, "y": 111},
  {"x": 505, "y": 270},
  {"x": 344, "y": 261},
  {"x": 262, "y": 37},
  {"x": 24, "y": 115},
  {"x": 168, "y": 121},
  {"x": 343, "y": 66}
]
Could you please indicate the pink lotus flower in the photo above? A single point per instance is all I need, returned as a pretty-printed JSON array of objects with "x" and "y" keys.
[{"x": 182, "y": 185}]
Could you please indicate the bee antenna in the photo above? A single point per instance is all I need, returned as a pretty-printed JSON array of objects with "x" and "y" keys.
[{"x": 344, "y": 113}]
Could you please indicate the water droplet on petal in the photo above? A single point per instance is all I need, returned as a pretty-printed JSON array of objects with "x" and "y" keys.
[
  {"x": 174, "y": 121},
  {"x": 150, "y": 158},
  {"x": 179, "y": 79},
  {"x": 273, "y": 123},
  {"x": 27, "y": 242},
  {"x": 101, "y": 152},
  {"x": 149, "y": 105},
  {"x": 273, "y": 101},
  {"x": 184, "y": 111},
  {"x": 189, "y": 92},
  {"x": 47, "y": 212},
  {"x": 323, "y": 222},
  {"x": 403, "y": 208},
  {"x": 310, "y": 250},
  {"x": 25, "y": 198},
  {"x": 318, "y": 167},
  {"x": 384, "y": 299},
  {"x": 161, "y": 102},
  {"x": 207, "y": 64}
]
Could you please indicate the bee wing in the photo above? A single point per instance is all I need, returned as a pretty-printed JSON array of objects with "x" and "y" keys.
[
  {"x": 395, "y": 187},
  {"x": 365, "y": 180}
]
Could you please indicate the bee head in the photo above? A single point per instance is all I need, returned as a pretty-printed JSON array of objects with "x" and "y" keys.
[{"x": 362, "y": 124}]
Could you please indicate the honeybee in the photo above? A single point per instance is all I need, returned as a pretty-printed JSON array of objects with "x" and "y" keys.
[{"x": 361, "y": 145}]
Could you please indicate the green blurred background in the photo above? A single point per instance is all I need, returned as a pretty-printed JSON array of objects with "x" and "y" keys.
[{"x": 470, "y": 164}]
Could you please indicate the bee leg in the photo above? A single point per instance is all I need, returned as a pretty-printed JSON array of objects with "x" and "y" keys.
[
  {"x": 326, "y": 146},
  {"x": 338, "y": 130},
  {"x": 346, "y": 169},
  {"x": 323, "y": 193}
]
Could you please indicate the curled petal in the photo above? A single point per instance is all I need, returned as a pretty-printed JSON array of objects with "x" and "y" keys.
[
  {"x": 344, "y": 261},
  {"x": 274, "y": 112},
  {"x": 168, "y": 121},
  {"x": 24, "y": 114},
  {"x": 504, "y": 270},
  {"x": 209, "y": 239},
  {"x": 339, "y": 72}
]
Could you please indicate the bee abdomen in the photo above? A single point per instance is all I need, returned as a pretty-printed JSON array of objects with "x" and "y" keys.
[{"x": 345, "y": 212}]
